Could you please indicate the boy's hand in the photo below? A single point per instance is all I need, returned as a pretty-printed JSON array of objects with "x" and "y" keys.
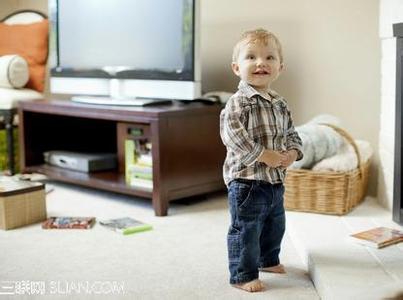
[
  {"x": 290, "y": 157},
  {"x": 272, "y": 158}
]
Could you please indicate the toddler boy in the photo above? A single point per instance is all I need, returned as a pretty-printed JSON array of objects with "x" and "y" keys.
[{"x": 257, "y": 129}]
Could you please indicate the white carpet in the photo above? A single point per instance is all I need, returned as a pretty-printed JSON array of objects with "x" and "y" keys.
[{"x": 183, "y": 257}]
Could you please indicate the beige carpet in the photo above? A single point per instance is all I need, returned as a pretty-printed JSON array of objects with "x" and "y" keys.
[{"x": 183, "y": 257}]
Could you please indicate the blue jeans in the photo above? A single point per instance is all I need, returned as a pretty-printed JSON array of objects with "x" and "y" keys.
[{"x": 257, "y": 227}]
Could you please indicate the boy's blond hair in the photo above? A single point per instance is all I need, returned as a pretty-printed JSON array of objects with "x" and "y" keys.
[{"x": 258, "y": 35}]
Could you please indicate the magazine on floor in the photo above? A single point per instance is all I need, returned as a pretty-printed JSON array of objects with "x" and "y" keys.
[
  {"x": 378, "y": 237},
  {"x": 68, "y": 223},
  {"x": 126, "y": 225}
]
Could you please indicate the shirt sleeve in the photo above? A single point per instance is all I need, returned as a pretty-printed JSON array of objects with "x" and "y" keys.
[
  {"x": 293, "y": 139},
  {"x": 234, "y": 134}
]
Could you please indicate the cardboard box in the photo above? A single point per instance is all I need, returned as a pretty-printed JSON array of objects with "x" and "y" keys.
[{"x": 21, "y": 203}]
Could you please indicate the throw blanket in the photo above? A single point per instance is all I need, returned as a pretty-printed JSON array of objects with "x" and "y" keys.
[
  {"x": 318, "y": 141},
  {"x": 326, "y": 150},
  {"x": 346, "y": 159}
]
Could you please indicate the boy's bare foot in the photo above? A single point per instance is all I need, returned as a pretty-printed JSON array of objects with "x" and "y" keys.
[
  {"x": 275, "y": 269},
  {"x": 251, "y": 286}
]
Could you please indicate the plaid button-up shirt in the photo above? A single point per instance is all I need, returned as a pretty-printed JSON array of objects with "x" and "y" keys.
[{"x": 251, "y": 123}]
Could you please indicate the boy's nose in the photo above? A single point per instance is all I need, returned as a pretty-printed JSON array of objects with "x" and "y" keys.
[{"x": 261, "y": 62}]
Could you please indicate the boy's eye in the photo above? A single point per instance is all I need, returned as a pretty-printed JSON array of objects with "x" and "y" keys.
[
  {"x": 271, "y": 57},
  {"x": 250, "y": 56}
]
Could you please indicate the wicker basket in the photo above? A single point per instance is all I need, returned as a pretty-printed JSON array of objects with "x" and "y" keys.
[{"x": 327, "y": 192}]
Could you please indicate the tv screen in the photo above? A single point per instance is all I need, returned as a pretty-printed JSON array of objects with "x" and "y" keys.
[{"x": 150, "y": 46}]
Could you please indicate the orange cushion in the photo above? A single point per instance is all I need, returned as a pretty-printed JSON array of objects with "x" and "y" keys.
[{"x": 31, "y": 42}]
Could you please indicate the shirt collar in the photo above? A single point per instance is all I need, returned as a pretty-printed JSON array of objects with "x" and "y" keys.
[{"x": 251, "y": 91}]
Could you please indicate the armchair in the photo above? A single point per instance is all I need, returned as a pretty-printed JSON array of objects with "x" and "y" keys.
[{"x": 10, "y": 97}]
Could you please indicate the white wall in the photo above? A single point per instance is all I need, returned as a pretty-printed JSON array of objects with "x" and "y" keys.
[
  {"x": 391, "y": 11},
  {"x": 6, "y": 7},
  {"x": 332, "y": 55},
  {"x": 9, "y": 6}
]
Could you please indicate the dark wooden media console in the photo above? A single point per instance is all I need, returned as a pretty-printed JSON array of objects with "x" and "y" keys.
[{"x": 187, "y": 153}]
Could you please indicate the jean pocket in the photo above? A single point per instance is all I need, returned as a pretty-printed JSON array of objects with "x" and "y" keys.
[{"x": 244, "y": 194}]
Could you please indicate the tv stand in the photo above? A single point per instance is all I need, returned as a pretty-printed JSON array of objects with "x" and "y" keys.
[{"x": 187, "y": 153}]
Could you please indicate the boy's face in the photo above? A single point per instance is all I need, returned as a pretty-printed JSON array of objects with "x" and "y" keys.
[{"x": 258, "y": 64}]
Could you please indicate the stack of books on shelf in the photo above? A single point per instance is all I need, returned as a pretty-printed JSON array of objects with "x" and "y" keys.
[{"x": 138, "y": 164}]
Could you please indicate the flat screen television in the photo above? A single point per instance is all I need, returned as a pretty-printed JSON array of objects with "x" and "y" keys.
[{"x": 120, "y": 49}]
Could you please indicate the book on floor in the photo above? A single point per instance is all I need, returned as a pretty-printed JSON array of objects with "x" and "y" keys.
[
  {"x": 68, "y": 223},
  {"x": 378, "y": 237},
  {"x": 126, "y": 225}
]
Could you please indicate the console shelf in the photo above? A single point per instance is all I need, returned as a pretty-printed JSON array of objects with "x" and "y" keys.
[
  {"x": 112, "y": 181},
  {"x": 187, "y": 153}
]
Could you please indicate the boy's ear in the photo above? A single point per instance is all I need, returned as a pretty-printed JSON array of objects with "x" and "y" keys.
[
  {"x": 235, "y": 68},
  {"x": 282, "y": 67}
]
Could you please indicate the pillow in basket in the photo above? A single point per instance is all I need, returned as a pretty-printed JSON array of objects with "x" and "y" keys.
[
  {"x": 31, "y": 42},
  {"x": 14, "y": 72}
]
